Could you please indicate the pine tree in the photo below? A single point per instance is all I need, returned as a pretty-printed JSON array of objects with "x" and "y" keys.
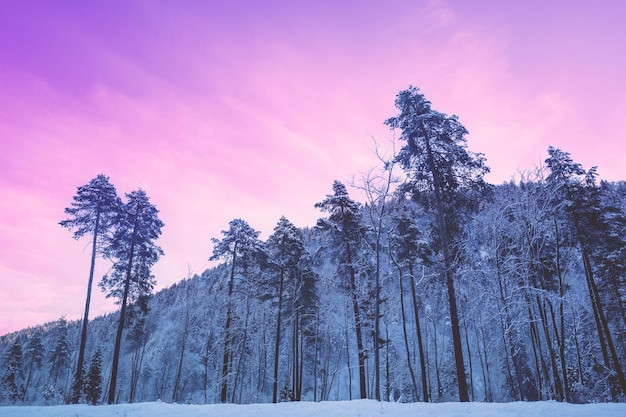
[
  {"x": 137, "y": 337},
  {"x": 344, "y": 224},
  {"x": 286, "y": 248},
  {"x": 137, "y": 226},
  {"x": 578, "y": 196},
  {"x": 239, "y": 245},
  {"x": 408, "y": 246},
  {"x": 93, "y": 211},
  {"x": 436, "y": 159},
  {"x": 93, "y": 380}
]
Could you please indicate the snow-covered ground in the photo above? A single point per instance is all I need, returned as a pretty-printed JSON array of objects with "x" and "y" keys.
[{"x": 360, "y": 408}]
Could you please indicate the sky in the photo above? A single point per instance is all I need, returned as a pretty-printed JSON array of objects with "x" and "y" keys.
[{"x": 223, "y": 110}]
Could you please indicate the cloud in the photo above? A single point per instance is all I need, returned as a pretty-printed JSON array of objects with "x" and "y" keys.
[{"x": 221, "y": 112}]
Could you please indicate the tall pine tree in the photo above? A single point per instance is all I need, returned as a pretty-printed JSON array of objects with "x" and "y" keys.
[
  {"x": 436, "y": 159},
  {"x": 286, "y": 248},
  {"x": 137, "y": 227},
  {"x": 93, "y": 211},
  {"x": 239, "y": 244}
]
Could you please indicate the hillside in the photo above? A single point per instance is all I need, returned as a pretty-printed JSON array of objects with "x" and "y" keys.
[{"x": 529, "y": 329}]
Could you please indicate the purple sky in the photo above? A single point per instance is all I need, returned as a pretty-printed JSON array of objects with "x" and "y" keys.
[{"x": 249, "y": 109}]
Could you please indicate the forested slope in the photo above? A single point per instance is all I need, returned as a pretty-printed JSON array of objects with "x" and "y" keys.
[
  {"x": 530, "y": 328},
  {"x": 437, "y": 287}
]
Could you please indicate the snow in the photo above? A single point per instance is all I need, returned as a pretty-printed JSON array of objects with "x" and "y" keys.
[{"x": 359, "y": 408}]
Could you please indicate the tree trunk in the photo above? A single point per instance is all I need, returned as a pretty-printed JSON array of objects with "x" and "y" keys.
[
  {"x": 179, "y": 369},
  {"x": 357, "y": 320},
  {"x": 484, "y": 360},
  {"x": 226, "y": 358},
  {"x": 469, "y": 358},
  {"x": 406, "y": 342},
  {"x": 558, "y": 386},
  {"x": 418, "y": 330},
  {"x": 561, "y": 314},
  {"x": 278, "y": 326},
  {"x": 348, "y": 359},
  {"x": 120, "y": 327},
  {"x": 118, "y": 339},
  {"x": 454, "y": 315},
  {"x": 377, "y": 315},
  {"x": 77, "y": 386},
  {"x": 239, "y": 374},
  {"x": 595, "y": 295}
]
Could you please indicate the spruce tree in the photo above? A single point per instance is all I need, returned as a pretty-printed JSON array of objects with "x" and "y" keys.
[
  {"x": 93, "y": 379},
  {"x": 60, "y": 354},
  {"x": 93, "y": 211}
]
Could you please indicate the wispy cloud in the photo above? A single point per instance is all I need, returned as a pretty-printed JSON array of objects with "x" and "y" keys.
[{"x": 221, "y": 112}]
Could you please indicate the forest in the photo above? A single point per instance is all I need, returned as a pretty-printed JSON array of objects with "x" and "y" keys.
[{"x": 437, "y": 286}]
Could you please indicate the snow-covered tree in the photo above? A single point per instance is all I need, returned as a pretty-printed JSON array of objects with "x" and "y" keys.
[
  {"x": 12, "y": 380},
  {"x": 93, "y": 211},
  {"x": 133, "y": 247},
  {"x": 33, "y": 358},
  {"x": 239, "y": 246},
  {"x": 579, "y": 198},
  {"x": 408, "y": 247},
  {"x": 285, "y": 249},
  {"x": 436, "y": 159},
  {"x": 60, "y": 355},
  {"x": 345, "y": 226},
  {"x": 92, "y": 385}
]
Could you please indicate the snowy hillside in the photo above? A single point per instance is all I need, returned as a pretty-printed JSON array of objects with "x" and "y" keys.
[
  {"x": 361, "y": 408},
  {"x": 330, "y": 314}
]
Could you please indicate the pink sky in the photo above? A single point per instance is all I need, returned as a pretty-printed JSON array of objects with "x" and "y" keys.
[{"x": 249, "y": 109}]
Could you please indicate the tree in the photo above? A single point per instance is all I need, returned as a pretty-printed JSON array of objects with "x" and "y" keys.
[
  {"x": 377, "y": 185},
  {"x": 344, "y": 224},
  {"x": 176, "y": 391},
  {"x": 577, "y": 195},
  {"x": 93, "y": 211},
  {"x": 60, "y": 355},
  {"x": 305, "y": 312},
  {"x": 286, "y": 248},
  {"x": 12, "y": 379},
  {"x": 436, "y": 159},
  {"x": 93, "y": 380},
  {"x": 136, "y": 338},
  {"x": 33, "y": 357},
  {"x": 240, "y": 242},
  {"x": 406, "y": 247},
  {"x": 137, "y": 226}
]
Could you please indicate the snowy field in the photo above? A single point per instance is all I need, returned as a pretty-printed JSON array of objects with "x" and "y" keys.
[{"x": 360, "y": 408}]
